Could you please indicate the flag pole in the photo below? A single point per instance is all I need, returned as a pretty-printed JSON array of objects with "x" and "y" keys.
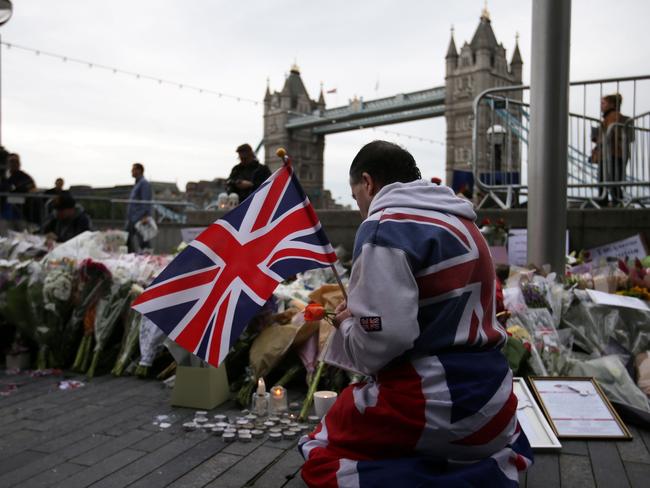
[{"x": 313, "y": 384}]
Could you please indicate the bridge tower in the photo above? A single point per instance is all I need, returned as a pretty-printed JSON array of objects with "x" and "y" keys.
[
  {"x": 305, "y": 147},
  {"x": 480, "y": 64}
]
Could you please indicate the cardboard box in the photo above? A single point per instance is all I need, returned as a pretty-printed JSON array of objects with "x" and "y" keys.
[
  {"x": 18, "y": 361},
  {"x": 202, "y": 388}
]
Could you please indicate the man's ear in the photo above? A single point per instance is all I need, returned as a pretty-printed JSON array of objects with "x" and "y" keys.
[{"x": 369, "y": 183}]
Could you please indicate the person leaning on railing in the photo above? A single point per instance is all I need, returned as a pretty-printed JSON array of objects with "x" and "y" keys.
[{"x": 612, "y": 148}]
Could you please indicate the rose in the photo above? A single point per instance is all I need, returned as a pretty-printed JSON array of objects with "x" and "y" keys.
[{"x": 314, "y": 312}]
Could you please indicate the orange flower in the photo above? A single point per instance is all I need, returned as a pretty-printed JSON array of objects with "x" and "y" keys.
[{"x": 314, "y": 312}]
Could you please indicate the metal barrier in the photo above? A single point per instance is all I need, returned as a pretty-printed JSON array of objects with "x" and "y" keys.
[
  {"x": 36, "y": 208},
  {"x": 500, "y": 145}
]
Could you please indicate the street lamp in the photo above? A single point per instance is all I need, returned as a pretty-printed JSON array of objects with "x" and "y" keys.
[{"x": 6, "y": 9}]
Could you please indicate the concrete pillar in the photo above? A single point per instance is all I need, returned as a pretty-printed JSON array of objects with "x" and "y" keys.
[{"x": 549, "y": 112}]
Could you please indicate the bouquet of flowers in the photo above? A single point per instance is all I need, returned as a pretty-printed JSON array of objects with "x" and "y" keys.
[
  {"x": 496, "y": 234},
  {"x": 130, "y": 337},
  {"x": 110, "y": 308},
  {"x": 94, "y": 281},
  {"x": 53, "y": 310}
]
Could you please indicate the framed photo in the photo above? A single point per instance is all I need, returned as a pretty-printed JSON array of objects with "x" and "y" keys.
[
  {"x": 532, "y": 420},
  {"x": 577, "y": 408}
]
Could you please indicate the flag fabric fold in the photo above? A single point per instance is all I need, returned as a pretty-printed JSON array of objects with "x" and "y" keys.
[{"x": 206, "y": 296}]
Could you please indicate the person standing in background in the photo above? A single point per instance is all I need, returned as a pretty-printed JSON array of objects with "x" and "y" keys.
[
  {"x": 136, "y": 211},
  {"x": 248, "y": 175}
]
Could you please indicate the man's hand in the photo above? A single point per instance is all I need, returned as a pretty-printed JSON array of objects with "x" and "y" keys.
[
  {"x": 243, "y": 184},
  {"x": 342, "y": 312}
]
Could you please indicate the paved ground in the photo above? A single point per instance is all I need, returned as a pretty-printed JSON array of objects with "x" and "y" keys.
[{"x": 103, "y": 435}]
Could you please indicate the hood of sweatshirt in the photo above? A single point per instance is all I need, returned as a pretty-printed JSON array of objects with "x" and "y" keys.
[{"x": 423, "y": 195}]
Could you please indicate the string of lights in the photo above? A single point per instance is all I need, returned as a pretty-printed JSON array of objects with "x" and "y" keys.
[
  {"x": 132, "y": 74},
  {"x": 182, "y": 86},
  {"x": 409, "y": 136}
]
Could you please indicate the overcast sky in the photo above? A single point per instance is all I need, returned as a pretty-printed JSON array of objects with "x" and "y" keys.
[{"x": 89, "y": 125}]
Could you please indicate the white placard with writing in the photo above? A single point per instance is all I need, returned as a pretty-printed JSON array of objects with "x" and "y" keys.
[
  {"x": 632, "y": 247},
  {"x": 188, "y": 234},
  {"x": 613, "y": 300},
  {"x": 518, "y": 247}
]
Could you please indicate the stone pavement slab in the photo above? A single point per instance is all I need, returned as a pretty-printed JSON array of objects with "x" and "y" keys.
[{"x": 105, "y": 435}]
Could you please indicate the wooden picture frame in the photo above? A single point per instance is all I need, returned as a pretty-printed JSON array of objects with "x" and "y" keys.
[
  {"x": 539, "y": 432},
  {"x": 577, "y": 408}
]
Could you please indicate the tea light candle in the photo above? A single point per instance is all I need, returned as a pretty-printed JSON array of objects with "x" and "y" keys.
[
  {"x": 242, "y": 422},
  {"x": 260, "y": 399},
  {"x": 228, "y": 437},
  {"x": 288, "y": 434},
  {"x": 201, "y": 413},
  {"x": 278, "y": 400},
  {"x": 256, "y": 433},
  {"x": 275, "y": 430},
  {"x": 217, "y": 430},
  {"x": 251, "y": 417},
  {"x": 313, "y": 419},
  {"x": 294, "y": 406},
  {"x": 303, "y": 427},
  {"x": 245, "y": 437},
  {"x": 220, "y": 418},
  {"x": 189, "y": 426},
  {"x": 323, "y": 400},
  {"x": 274, "y": 419},
  {"x": 275, "y": 436},
  {"x": 268, "y": 424},
  {"x": 223, "y": 425},
  {"x": 200, "y": 420}
]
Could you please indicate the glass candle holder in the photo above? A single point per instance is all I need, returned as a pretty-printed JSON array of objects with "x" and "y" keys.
[{"x": 278, "y": 400}]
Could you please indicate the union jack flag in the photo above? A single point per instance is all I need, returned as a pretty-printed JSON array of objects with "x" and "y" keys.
[{"x": 206, "y": 296}]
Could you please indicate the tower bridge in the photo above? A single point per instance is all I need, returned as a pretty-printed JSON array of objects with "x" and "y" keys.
[{"x": 295, "y": 121}]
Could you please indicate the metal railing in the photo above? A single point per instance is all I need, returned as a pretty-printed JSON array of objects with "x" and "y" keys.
[
  {"x": 501, "y": 124},
  {"x": 36, "y": 208}
]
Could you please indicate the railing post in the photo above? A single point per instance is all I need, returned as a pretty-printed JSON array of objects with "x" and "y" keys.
[{"x": 547, "y": 203}]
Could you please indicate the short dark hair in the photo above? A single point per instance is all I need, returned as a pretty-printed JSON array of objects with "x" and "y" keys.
[
  {"x": 386, "y": 162},
  {"x": 614, "y": 100},
  {"x": 139, "y": 166},
  {"x": 63, "y": 201},
  {"x": 245, "y": 148}
]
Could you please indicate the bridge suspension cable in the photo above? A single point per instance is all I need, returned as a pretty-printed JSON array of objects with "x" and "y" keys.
[{"x": 131, "y": 74}]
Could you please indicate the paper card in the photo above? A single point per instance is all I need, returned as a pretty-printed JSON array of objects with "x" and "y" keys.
[
  {"x": 632, "y": 247},
  {"x": 188, "y": 234},
  {"x": 499, "y": 254},
  {"x": 613, "y": 300},
  {"x": 518, "y": 246}
]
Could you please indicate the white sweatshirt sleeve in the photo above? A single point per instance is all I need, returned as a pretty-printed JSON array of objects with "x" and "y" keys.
[{"x": 383, "y": 300}]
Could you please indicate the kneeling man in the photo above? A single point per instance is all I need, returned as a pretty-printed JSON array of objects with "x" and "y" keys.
[{"x": 438, "y": 408}]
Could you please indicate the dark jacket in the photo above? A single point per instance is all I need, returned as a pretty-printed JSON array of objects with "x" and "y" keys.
[
  {"x": 254, "y": 172},
  {"x": 68, "y": 228}
]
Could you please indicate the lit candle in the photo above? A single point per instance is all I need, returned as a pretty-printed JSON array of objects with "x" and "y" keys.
[
  {"x": 278, "y": 400},
  {"x": 323, "y": 400},
  {"x": 261, "y": 387},
  {"x": 261, "y": 399}
]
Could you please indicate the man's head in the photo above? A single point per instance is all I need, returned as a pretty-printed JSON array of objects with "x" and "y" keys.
[
  {"x": 64, "y": 205},
  {"x": 378, "y": 164},
  {"x": 14, "y": 163},
  {"x": 611, "y": 102},
  {"x": 246, "y": 154},
  {"x": 58, "y": 184},
  {"x": 137, "y": 170}
]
